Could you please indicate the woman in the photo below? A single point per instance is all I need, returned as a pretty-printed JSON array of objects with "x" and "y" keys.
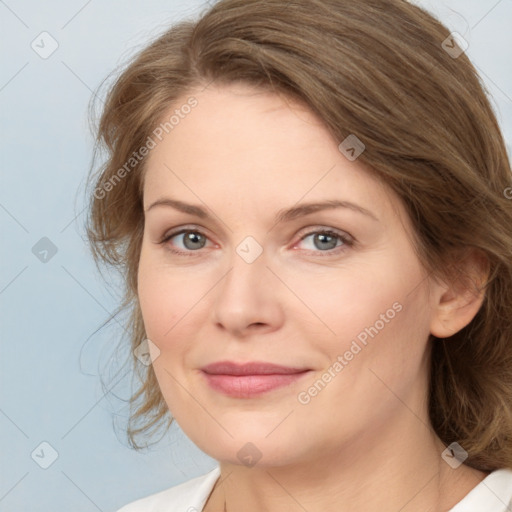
[{"x": 310, "y": 202}]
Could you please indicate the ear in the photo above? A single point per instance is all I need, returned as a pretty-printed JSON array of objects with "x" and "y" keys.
[{"x": 455, "y": 304}]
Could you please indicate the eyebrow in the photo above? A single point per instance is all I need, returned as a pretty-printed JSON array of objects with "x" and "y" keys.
[{"x": 282, "y": 215}]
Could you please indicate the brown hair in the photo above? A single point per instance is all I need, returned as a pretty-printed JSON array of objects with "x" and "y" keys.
[{"x": 376, "y": 69}]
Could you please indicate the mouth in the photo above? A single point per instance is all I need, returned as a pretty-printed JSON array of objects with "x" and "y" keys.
[{"x": 250, "y": 379}]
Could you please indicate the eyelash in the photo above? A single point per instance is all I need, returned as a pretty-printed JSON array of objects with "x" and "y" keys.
[{"x": 347, "y": 241}]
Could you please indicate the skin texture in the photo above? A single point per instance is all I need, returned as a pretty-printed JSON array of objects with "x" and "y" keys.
[{"x": 361, "y": 443}]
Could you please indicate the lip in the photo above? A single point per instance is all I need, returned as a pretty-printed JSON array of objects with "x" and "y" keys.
[
  {"x": 245, "y": 380},
  {"x": 249, "y": 368}
]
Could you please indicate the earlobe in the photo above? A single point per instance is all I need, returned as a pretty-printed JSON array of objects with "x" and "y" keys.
[{"x": 455, "y": 305}]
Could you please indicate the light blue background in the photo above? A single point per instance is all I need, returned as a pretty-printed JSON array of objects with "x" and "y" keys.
[{"x": 50, "y": 359}]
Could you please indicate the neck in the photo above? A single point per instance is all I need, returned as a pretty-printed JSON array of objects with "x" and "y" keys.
[{"x": 366, "y": 476}]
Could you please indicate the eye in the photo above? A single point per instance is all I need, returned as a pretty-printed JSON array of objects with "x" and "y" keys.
[
  {"x": 322, "y": 240},
  {"x": 327, "y": 240},
  {"x": 191, "y": 239}
]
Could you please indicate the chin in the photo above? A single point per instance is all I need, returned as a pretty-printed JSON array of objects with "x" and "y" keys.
[{"x": 253, "y": 449}]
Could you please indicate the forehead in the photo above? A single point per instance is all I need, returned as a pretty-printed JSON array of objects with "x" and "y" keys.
[
  {"x": 254, "y": 147},
  {"x": 239, "y": 122}
]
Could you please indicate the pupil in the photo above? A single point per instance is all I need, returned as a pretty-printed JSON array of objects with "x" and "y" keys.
[
  {"x": 322, "y": 238},
  {"x": 192, "y": 238}
]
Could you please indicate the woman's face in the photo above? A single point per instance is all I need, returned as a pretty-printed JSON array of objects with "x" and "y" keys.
[{"x": 249, "y": 282}]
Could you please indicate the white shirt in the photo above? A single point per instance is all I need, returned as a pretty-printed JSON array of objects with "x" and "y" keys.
[{"x": 492, "y": 494}]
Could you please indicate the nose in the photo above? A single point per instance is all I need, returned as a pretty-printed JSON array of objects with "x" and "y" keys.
[{"x": 248, "y": 299}]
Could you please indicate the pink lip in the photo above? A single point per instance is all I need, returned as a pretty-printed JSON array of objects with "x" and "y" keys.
[
  {"x": 250, "y": 368},
  {"x": 249, "y": 379}
]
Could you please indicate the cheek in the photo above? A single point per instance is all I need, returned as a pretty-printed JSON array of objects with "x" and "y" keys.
[
  {"x": 161, "y": 297},
  {"x": 386, "y": 350},
  {"x": 155, "y": 302},
  {"x": 373, "y": 314},
  {"x": 346, "y": 304},
  {"x": 370, "y": 363},
  {"x": 165, "y": 301},
  {"x": 174, "y": 303}
]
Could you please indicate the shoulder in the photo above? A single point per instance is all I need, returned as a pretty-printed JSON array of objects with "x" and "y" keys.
[
  {"x": 189, "y": 496},
  {"x": 492, "y": 494}
]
